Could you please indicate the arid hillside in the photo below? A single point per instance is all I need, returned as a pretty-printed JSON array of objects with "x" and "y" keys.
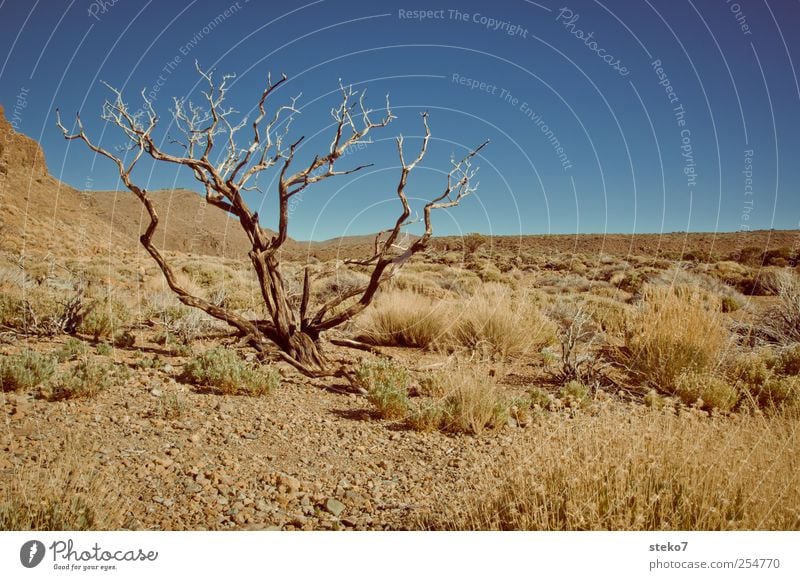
[{"x": 40, "y": 214}]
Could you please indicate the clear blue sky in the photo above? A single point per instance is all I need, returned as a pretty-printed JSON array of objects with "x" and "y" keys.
[{"x": 580, "y": 75}]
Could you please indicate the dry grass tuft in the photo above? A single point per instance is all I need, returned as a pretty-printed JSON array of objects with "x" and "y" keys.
[
  {"x": 781, "y": 323},
  {"x": 673, "y": 331},
  {"x": 639, "y": 469},
  {"x": 494, "y": 322},
  {"x": 404, "y": 318},
  {"x": 65, "y": 493},
  {"x": 498, "y": 323},
  {"x": 470, "y": 403}
]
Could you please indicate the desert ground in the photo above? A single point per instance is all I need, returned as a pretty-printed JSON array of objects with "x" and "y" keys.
[{"x": 624, "y": 382}]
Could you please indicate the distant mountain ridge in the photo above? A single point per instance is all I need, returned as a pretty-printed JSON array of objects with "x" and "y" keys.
[{"x": 39, "y": 213}]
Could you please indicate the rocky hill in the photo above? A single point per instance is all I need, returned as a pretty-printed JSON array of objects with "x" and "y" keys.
[{"x": 40, "y": 214}]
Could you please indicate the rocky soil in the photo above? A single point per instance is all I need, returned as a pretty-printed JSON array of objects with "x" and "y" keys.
[{"x": 301, "y": 458}]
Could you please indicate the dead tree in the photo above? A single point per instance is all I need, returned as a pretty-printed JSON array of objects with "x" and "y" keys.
[{"x": 296, "y": 331}]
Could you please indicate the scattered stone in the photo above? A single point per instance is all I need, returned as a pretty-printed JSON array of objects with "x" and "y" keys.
[
  {"x": 334, "y": 507},
  {"x": 193, "y": 488},
  {"x": 290, "y": 483},
  {"x": 156, "y": 392},
  {"x": 298, "y": 521}
]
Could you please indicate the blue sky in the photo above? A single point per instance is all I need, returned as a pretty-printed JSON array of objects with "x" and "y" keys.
[{"x": 613, "y": 116}]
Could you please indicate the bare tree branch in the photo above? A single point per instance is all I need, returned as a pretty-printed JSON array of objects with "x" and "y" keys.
[{"x": 213, "y": 130}]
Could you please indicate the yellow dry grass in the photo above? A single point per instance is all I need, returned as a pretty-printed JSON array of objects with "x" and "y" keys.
[
  {"x": 672, "y": 331},
  {"x": 61, "y": 493},
  {"x": 629, "y": 468}
]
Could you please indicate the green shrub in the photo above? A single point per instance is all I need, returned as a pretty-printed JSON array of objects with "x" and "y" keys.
[
  {"x": 788, "y": 362},
  {"x": 777, "y": 391},
  {"x": 712, "y": 391},
  {"x": 540, "y": 398},
  {"x": 12, "y": 311},
  {"x": 25, "y": 370},
  {"x": 386, "y": 385},
  {"x": 223, "y": 371},
  {"x": 730, "y": 304},
  {"x": 142, "y": 362},
  {"x": 84, "y": 380},
  {"x": 769, "y": 379},
  {"x": 752, "y": 369},
  {"x": 124, "y": 339},
  {"x": 575, "y": 395},
  {"x": 71, "y": 350},
  {"x": 104, "y": 349},
  {"x": 104, "y": 318}
]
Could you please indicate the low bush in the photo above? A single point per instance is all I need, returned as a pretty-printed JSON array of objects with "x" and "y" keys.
[
  {"x": 106, "y": 316},
  {"x": 25, "y": 370},
  {"x": 497, "y": 323},
  {"x": 671, "y": 332},
  {"x": 124, "y": 339},
  {"x": 707, "y": 389},
  {"x": 104, "y": 349},
  {"x": 84, "y": 380},
  {"x": 223, "y": 371},
  {"x": 405, "y": 318},
  {"x": 72, "y": 349},
  {"x": 767, "y": 379},
  {"x": 386, "y": 384}
]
